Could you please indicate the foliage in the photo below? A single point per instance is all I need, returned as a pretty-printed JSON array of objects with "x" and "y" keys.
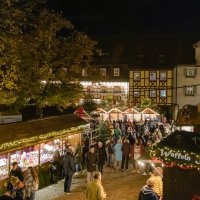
[
  {"x": 146, "y": 103},
  {"x": 41, "y": 55},
  {"x": 89, "y": 104},
  {"x": 103, "y": 132}
]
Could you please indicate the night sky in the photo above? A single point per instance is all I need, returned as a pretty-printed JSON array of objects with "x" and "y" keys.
[{"x": 138, "y": 16}]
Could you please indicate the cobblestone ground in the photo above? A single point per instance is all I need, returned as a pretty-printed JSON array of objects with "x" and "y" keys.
[{"x": 118, "y": 186}]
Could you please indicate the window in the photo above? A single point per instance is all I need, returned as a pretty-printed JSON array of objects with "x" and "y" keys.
[
  {"x": 190, "y": 90},
  {"x": 152, "y": 76},
  {"x": 152, "y": 93},
  {"x": 163, "y": 93},
  {"x": 116, "y": 72},
  {"x": 136, "y": 93},
  {"x": 163, "y": 76},
  {"x": 136, "y": 76},
  {"x": 103, "y": 71},
  {"x": 84, "y": 73},
  {"x": 190, "y": 72}
]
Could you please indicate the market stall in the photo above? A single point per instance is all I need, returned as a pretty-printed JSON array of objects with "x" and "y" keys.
[
  {"x": 33, "y": 143},
  {"x": 132, "y": 114},
  {"x": 115, "y": 114},
  {"x": 180, "y": 154},
  {"x": 149, "y": 113}
]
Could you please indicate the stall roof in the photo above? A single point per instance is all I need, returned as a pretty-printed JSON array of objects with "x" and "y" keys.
[
  {"x": 115, "y": 110},
  {"x": 191, "y": 120},
  {"x": 148, "y": 111},
  {"x": 131, "y": 111},
  {"x": 37, "y": 129},
  {"x": 180, "y": 148}
]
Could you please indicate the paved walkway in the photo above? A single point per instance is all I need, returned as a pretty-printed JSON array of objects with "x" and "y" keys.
[{"x": 118, "y": 186}]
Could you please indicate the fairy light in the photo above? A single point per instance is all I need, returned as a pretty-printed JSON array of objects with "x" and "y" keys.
[{"x": 50, "y": 135}]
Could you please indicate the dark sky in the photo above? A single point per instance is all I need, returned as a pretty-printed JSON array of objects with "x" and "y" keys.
[{"x": 139, "y": 16}]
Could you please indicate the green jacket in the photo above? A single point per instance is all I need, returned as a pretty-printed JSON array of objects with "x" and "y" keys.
[{"x": 95, "y": 191}]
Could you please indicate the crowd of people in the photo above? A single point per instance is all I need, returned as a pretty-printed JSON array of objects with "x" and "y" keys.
[{"x": 125, "y": 145}]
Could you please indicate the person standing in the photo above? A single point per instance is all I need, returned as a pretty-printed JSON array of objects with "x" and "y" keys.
[
  {"x": 69, "y": 169},
  {"x": 94, "y": 189},
  {"x": 32, "y": 183},
  {"x": 55, "y": 168},
  {"x": 16, "y": 171},
  {"x": 126, "y": 148},
  {"x": 102, "y": 157},
  {"x": 78, "y": 158},
  {"x": 91, "y": 162},
  {"x": 18, "y": 188},
  {"x": 158, "y": 183},
  {"x": 147, "y": 192},
  {"x": 118, "y": 154}
]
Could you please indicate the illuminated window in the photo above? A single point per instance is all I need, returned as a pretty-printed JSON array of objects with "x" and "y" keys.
[
  {"x": 152, "y": 76},
  {"x": 116, "y": 72},
  {"x": 152, "y": 93},
  {"x": 163, "y": 93},
  {"x": 136, "y": 76},
  {"x": 163, "y": 76},
  {"x": 136, "y": 93},
  {"x": 103, "y": 71}
]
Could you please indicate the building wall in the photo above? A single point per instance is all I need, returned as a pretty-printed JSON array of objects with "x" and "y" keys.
[
  {"x": 186, "y": 85},
  {"x": 154, "y": 84}
]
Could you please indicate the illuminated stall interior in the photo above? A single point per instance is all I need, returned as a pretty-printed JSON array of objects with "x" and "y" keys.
[{"x": 34, "y": 143}]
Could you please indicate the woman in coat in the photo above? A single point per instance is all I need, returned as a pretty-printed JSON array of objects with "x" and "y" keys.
[{"x": 118, "y": 154}]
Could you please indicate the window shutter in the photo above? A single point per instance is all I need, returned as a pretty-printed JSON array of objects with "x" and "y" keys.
[
  {"x": 195, "y": 71},
  {"x": 185, "y": 72},
  {"x": 194, "y": 89},
  {"x": 184, "y": 90}
]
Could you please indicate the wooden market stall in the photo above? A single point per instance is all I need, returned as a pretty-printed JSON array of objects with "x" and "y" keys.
[
  {"x": 33, "y": 143},
  {"x": 180, "y": 153},
  {"x": 132, "y": 114},
  {"x": 115, "y": 114},
  {"x": 149, "y": 113}
]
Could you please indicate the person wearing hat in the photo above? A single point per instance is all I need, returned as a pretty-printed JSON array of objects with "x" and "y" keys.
[
  {"x": 94, "y": 189},
  {"x": 147, "y": 192},
  {"x": 69, "y": 169}
]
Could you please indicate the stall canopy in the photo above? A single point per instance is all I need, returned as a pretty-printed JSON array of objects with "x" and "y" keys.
[
  {"x": 100, "y": 113},
  {"x": 23, "y": 134},
  {"x": 132, "y": 114},
  {"x": 180, "y": 149},
  {"x": 148, "y": 113},
  {"x": 115, "y": 114}
]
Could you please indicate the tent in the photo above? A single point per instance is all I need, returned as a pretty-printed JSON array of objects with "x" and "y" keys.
[
  {"x": 80, "y": 112},
  {"x": 115, "y": 114}
]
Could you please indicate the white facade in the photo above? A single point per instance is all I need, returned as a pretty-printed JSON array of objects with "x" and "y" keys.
[{"x": 186, "y": 85}]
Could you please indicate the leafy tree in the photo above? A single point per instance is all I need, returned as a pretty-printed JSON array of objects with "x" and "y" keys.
[
  {"x": 146, "y": 103},
  {"x": 103, "y": 132},
  {"x": 46, "y": 59}
]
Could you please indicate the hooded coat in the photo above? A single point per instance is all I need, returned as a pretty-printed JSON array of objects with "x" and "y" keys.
[{"x": 147, "y": 193}]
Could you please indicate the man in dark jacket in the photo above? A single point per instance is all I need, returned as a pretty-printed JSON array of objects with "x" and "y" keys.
[
  {"x": 91, "y": 162},
  {"x": 69, "y": 169},
  {"x": 147, "y": 192},
  {"x": 126, "y": 148},
  {"x": 16, "y": 171},
  {"x": 101, "y": 155}
]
